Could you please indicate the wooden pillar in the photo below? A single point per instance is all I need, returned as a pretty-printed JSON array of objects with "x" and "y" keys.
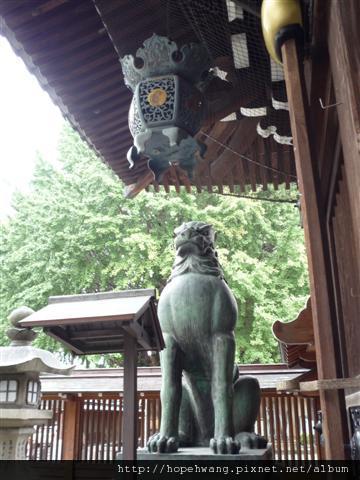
[
  {"x": 130, "y": 416},
  {"x": 316, "y": 245},
  {"x": 70, "y": 429}
]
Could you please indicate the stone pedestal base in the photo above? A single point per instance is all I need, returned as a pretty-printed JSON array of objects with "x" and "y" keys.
[
  {"x": 13, "y": 442},
  {"x": 204, "y": 453}
]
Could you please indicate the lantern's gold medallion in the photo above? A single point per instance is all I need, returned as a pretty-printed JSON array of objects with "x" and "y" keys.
[{"x": 157, "y": 97}]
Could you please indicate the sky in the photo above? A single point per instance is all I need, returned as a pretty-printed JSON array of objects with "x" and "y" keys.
[{"x": 29, "y": 123}]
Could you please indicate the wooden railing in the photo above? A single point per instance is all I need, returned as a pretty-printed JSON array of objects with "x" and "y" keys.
[
  {"x": 287, "y": 421},
  {"x": 89, "y": 427}
]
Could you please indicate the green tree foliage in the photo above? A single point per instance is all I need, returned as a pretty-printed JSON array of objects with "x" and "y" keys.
[{"x": 75, "y": 233}]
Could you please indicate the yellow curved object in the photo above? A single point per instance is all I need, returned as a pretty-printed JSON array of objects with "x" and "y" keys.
[{"x": 275, "y": 15}]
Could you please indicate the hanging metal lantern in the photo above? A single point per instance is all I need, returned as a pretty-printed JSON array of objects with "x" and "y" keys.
[{"x": 168, "y": 105}]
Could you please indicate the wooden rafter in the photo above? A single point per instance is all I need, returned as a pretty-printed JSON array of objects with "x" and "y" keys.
[
  {"x": 263, "y": 171},
  {"x": 132, "y": 190}
]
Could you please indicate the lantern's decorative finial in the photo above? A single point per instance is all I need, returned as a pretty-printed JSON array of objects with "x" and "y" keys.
[
  {"x": 168, "y": 105},
  {"x": 160, "y": 56},
  {"x": 17, "y": 334}
]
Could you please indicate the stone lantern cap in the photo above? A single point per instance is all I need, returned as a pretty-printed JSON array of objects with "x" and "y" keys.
[
  {"x": 30, "y": 359},
  {"x": 20, "y": 356}
]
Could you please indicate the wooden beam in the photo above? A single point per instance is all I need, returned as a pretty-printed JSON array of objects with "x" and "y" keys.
[
  {"x": 260, "y": 147},
  {"x": 156, "y": 186},
  {"x": 59, "y": 335},
  {"x": 330, "y": 384},
  {"x": 101, "y": 349},
  {"x": 288, "y": 385},
  {"x": 130, "y": 417},
  {"x": 240, "y": 176},
  {"x": 230, "y": 181},
  {"x": 267, "y": 160},
  {"x": 63, "y": 319},
  {"x": 95, "y": 334},
  {"x": 208, "y": 181},
  {"x": 47, "y": 7},
  {"x": 183, "y": 177},
  {"x": 279, "y": 162},
  {"x": 275, "y": 175},
  {"x": 287, "y": 169},
  {"x": 134, "y": 189},
  {"x": 70, "y": 429},
  {"x": 176, "y": 178},
  {"x": 140, "y": 292},
  {"x": 138, "y": 332},
  {"x": 252, "y": 169},
  {"x": 165, "y": 182},
  {"x": 316, "y": 247}
]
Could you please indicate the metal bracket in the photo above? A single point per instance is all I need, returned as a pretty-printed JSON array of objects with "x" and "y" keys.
[
  {"x": 325, "y": 107},
  {"x": 354, "y": 413},
  {"x": 353, "y": 294},
  {"x": 318, "y": 427}
]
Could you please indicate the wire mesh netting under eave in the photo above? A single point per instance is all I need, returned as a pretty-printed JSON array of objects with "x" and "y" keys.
[{"x": 231, "y": 31}]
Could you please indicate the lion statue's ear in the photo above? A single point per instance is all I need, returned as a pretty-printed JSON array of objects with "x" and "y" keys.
[
  {"x": 178, "y": 230},
  {"x": 209, "y": 231},
  {"x": 205, "y": 228}
]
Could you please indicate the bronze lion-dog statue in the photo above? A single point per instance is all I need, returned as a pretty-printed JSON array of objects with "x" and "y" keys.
[{"x": 214, "y": 405}]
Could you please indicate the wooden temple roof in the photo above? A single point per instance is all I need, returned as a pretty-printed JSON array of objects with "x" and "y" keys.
[
  {"x": 96, "y": 322},
  {"x": 73, "y": 48}
]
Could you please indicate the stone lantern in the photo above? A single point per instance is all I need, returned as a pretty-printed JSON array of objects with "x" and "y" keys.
[{"x": 20, "y": 388}]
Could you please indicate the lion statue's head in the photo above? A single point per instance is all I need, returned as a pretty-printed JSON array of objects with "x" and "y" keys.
[{"x": 195, "y": 250}]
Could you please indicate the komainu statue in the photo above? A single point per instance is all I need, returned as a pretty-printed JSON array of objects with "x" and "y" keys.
[{"x": 214, "y": 405}]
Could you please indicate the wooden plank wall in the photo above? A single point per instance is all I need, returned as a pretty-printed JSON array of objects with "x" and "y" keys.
[
  {"x": 333, "y": 76},
  {"x": 287, "y": 420},
  {"x": 343, "y": 37},
  {"x": 346, "y": 274}
]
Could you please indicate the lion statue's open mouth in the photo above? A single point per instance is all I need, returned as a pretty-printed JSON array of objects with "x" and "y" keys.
[{"x": 198, "y": 312}]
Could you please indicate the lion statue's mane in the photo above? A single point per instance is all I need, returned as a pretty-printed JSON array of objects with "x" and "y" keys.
[{"x": 204, "y": 261}]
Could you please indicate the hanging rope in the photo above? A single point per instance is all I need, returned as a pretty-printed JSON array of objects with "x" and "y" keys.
[
  {"x": 250, "y": 160},
  {"x": 263, "y": 199}
]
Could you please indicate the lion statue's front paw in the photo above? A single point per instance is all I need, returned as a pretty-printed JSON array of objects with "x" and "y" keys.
[
  {"x": 251, "y": 440},
  {"x": 223, "y": 445},
  {"x": 162, "y": 444}
]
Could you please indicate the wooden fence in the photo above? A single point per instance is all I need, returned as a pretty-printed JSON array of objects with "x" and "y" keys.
[
  {"x": 46, "y": 442},
  {"x": 89, "y": 428},
  {"x": 288, "y": 423}
]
